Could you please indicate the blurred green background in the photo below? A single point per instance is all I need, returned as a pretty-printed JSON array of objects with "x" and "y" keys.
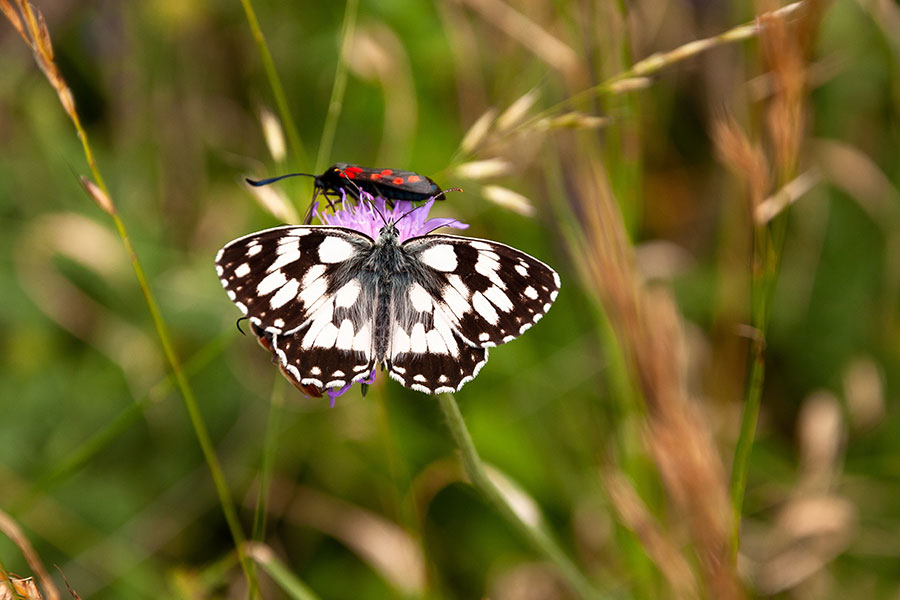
[{"x": 367, "y": 498}]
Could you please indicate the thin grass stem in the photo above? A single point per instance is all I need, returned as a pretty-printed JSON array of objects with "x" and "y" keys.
[
  {"x": 270, "y": 447},
  {"x": 336, "y": 103},
  {"x": 279, "y": 573},
  {"x": 539, "y": 539},
  {"x": 768, "y": 243},
  {"x": 284, "y": 110},
  {"x": 190, "y": 402},
  {"x": 40, "y": 44},
  {"x": 655, "y": 63}
]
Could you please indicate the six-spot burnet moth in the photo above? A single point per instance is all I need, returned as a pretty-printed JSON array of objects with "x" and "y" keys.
[{"x": 390, "y": 184}]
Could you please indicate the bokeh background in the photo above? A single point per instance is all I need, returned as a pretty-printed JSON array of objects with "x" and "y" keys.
[{"x": 730, "y": 202}]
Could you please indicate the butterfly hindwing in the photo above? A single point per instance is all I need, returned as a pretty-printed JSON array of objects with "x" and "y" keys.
[
  {"x": 490, "y": 293},
  {"x": 329, "y": 366},
  {"x": 281, "y": 277},
  {"x": 425, "y": 352}
]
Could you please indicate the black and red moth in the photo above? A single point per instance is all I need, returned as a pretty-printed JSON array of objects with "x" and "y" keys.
[{"x": 390, "y": 184}]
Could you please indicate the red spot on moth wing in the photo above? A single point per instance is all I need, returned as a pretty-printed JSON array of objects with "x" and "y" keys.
[
  {"x": 354, "y": 170},
  {"x": 375, "y": 176},
  {"x": 397, "y": 180},
  {"x": 386, "y": 172},
  {"x": 413, "y": 178}
]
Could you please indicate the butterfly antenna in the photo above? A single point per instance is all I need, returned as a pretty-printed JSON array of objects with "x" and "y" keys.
[
  {"x": 238, "y": 324},
  {"x": 311, "y": 208},
  {"x": 262, "y": 182},
  {"x": 378, "y": 212},
  {"x": 410, "y": 211}
]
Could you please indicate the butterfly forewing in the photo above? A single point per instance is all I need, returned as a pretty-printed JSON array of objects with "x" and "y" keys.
[{"x": 281, "y": 277}]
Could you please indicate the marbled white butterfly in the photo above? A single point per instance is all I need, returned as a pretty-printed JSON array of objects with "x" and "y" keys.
[{"x": 333, "y": 303}]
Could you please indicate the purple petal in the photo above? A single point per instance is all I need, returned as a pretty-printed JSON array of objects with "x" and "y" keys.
[{"x": 334, "y": 393}]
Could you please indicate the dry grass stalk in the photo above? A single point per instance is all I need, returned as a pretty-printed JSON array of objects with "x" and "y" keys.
[
  {"x": 744, "y": 158},
  {"x": 795, "y": 189},
  {"x": 478, "y": 132},
  {"x": 513, "y": 115},
  {"x": 18, "y": 588},
  {"x": 12, "y": 530},
  {"x": 508, "y": 199},
  {"x": 484, "y": 169},
  {"x": 571, "y": 120},
  {"x": 634, "y": 514},
  {"x": 31, "y": 26},
  {"x": 784, "y": 117},
  {"x": 647, "y": 327},
  {"x": 533, "y": 37},
  {"x": 274, "y": 134},
  {"x": 274, "y": 202}
]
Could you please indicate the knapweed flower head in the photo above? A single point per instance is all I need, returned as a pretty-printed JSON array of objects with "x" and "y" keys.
[{"x": 369, "y": 215}]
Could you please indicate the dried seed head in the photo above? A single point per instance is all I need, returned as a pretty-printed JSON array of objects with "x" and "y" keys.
[
  {"x": 275, "y": 203},
  {"x": 820, "y": 436},
  {"x": 13, "y": 17},
  {"x": 273, "y": 133},
  {"x": 509, "y": 199},
  {"x": 571, "y": 120},
  {"x": 744, "y": 158},
  {"x": 483, "y": 169},
  {"x": 629, "y": 85},
  {"x": 478, "y": 131},
  {"x": 24, "y": 588},
  {"x": 98, "y": 195},
  {"x": 772, "y": 206},
  {"x": 513, "y": 115}
]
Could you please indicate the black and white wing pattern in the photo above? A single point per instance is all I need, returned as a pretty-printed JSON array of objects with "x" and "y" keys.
[
  {"x": 300, "y": 286},
  {"x": 465, "y": 296},
  {"x": 332, "y": 303}
]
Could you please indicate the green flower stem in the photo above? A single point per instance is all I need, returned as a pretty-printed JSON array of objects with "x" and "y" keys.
[
  {"x": 275, "y": 82},
  {"x": 474, "y": 468}
]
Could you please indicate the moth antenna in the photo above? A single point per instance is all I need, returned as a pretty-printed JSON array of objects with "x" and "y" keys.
[
  {"x": 262, "y": 182},
  {"x": 444, "y": 192}
]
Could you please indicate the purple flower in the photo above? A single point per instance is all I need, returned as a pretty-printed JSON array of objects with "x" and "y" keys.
[
  {"x": 368, "y": 216},
  {"x": 334, "y": 392}
]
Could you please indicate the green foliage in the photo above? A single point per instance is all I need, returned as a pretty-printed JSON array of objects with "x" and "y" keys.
[{"x": 100, "y": 462}]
